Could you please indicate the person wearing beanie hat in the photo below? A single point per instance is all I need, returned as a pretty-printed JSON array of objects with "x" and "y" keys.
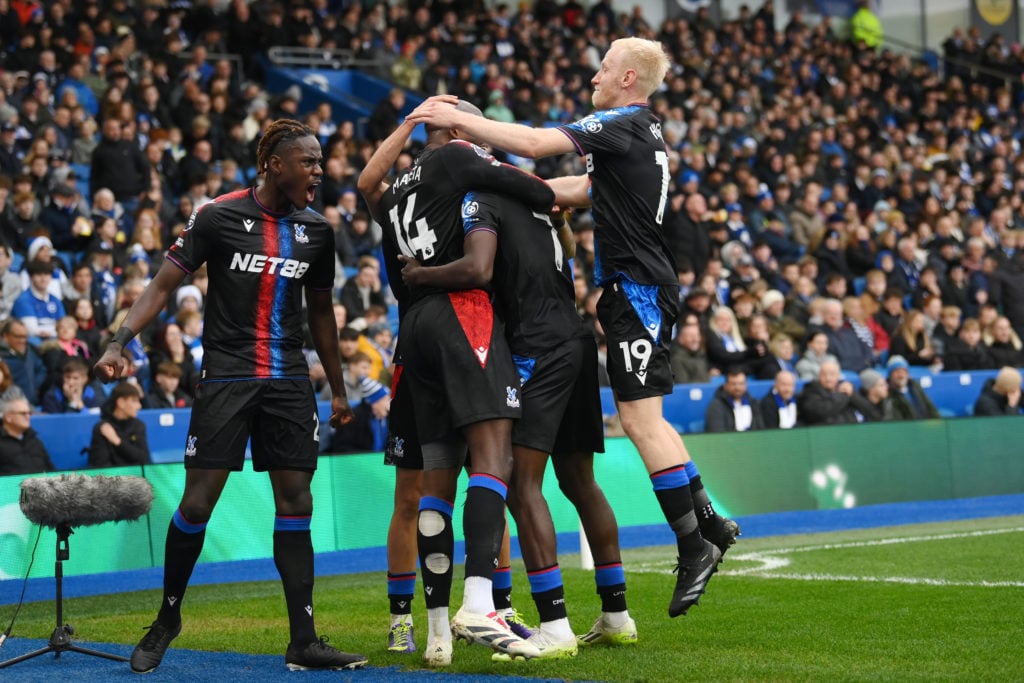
[
  {"x": 189, "y": 292},
  {"x": 37, "y": 244},
  {"x": 875, "y": 389},
  {"x": 909, "y": 402}
]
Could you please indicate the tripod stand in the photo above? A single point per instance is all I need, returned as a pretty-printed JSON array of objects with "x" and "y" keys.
[{"x": 60, "y": 639}]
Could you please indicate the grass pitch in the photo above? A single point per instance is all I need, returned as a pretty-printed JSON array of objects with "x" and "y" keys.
[{"x": 924, "y": 602}]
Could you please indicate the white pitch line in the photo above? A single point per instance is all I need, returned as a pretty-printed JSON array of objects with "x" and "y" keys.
[
  {"x": 769, "y": 562},
  {"x": 909, "y": 580},
  {"x": 891, "y": 541}
]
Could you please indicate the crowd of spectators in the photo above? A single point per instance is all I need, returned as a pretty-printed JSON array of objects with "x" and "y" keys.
[{"x": 828, "y": 201}]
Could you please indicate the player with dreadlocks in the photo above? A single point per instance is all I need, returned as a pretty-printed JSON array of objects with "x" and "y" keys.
[{"x": 264, "y": 248}]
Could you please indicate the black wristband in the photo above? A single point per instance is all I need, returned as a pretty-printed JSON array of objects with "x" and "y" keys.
[{"x": 122, "y": 336}]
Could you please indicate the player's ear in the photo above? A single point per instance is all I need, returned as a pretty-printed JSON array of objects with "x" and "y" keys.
[{"x": 274, "y": 164}]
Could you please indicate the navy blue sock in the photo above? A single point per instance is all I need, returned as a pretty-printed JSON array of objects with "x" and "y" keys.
[
  {"x": 401, "y": 588},
  {"x": 181, "y": 551},
  {"x": 293, "y": 556},
  {"x": 611, "y": 586},
  {"x": 548, "y": 592},
  {"x": 483, "y": 523},
  {"x": 501, "y": 588},
  {"x": 672, "y": 488}
]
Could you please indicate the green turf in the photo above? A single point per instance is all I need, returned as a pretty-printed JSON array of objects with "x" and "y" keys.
[{"x": 946, "y": 603}]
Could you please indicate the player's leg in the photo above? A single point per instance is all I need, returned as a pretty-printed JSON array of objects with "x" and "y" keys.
[
  {"x": 285, "y": 443},
  {"x": 483, "y": 526},
  {"x": 435, "y": 540},
  {"x": 185, "y": 536},
  {"x": 501, "y": 588},
  {"x": 293, "y": 557},
  {"x": 637, "y": 321},
  {"x": 575, "y": 474},
  {"x": 484, "y": 521},
  {"x": 720, "y": 530},
  {"x": 218, "y": 430},
  {"x": 402, "y": 558},
  {"x": 554, "y": 638}
]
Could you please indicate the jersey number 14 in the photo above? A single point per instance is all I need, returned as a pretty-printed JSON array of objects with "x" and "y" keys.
[{"x": 420, "y": 245}]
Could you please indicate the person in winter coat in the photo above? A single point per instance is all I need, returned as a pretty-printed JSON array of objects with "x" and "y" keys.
[
  {"x": 733, "y": 409},
  {"x": 21, "y": 450},
  {"x": 119, "y": 438},
  {"x": 1000, "y": 395},
  {"x": 909, "y": 401},
  {"x": 827, "y": 400}
]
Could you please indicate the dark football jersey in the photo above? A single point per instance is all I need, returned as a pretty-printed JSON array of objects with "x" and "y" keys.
[
  {"x": 532, "y": 277},
  {"x": 258, "y": 262},
  {"x": 627, "y": 161},
  {"x": 424, "y": 203}
]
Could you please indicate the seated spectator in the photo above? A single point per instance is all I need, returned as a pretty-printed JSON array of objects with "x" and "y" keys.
[
  {"x": 88, "y": 327},
  {"x": 41, "y": 249},
  {"x": 773, "y": 305},
  {"x": 911, "y": 342},
  {"x": 866, "y": 328},
  {"x": 191, "y": 325},
  {"x": 733, "y": 409},
  {"x": 376, "y": 344},
  {"x": 762, "y": 364},
  {"x": 783, "y": 350},
  {"x": 10, "y": 283},
  {"x": 725, "y": 347},
  {"x": 966, "y": 351},
  {"x": 370, "y": 401},
  {"x": 57, "y": 351},
  {"x": 169, "y": 347},
  {"x": 363, "y": 289},
  {"x": 697, "y": 303},
  {"x": 37, "y": 307},
  {"x": 27, "y": 368},
  {"x": 687, "y": 357},
  {"x": 875, "y": 389},
  {"x": 8, "y": 389},
  {"x": 946, "y": 332},
  {"x": 809, "y": 365},
  {"x": 74, "y": 393},
  {"x": 909, "y": 402},
  {"x": 1000, "y": 395},
  {"x": 119, "y": 438},
  {"x": 827, "y": 400},
  {"x": 890, "y": 315},
  {"x": 843, "y": 343},
  {"x": 778, "y": 407},
  {"x": 874, "y": 290},
  {"x": 166, "y": 391},
  {"x": 1005, "y": 346},
  {"x": 21, "y": 450}
]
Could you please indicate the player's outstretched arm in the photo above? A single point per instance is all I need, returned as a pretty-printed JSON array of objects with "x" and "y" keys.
[
  {"x": 371, "y": 183},
  {"x": 113, "y": 365},
  {"x": 324, "y": 331},
  {"x": 571, "y": 191},
  {"x": 511, "y": 137}
]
